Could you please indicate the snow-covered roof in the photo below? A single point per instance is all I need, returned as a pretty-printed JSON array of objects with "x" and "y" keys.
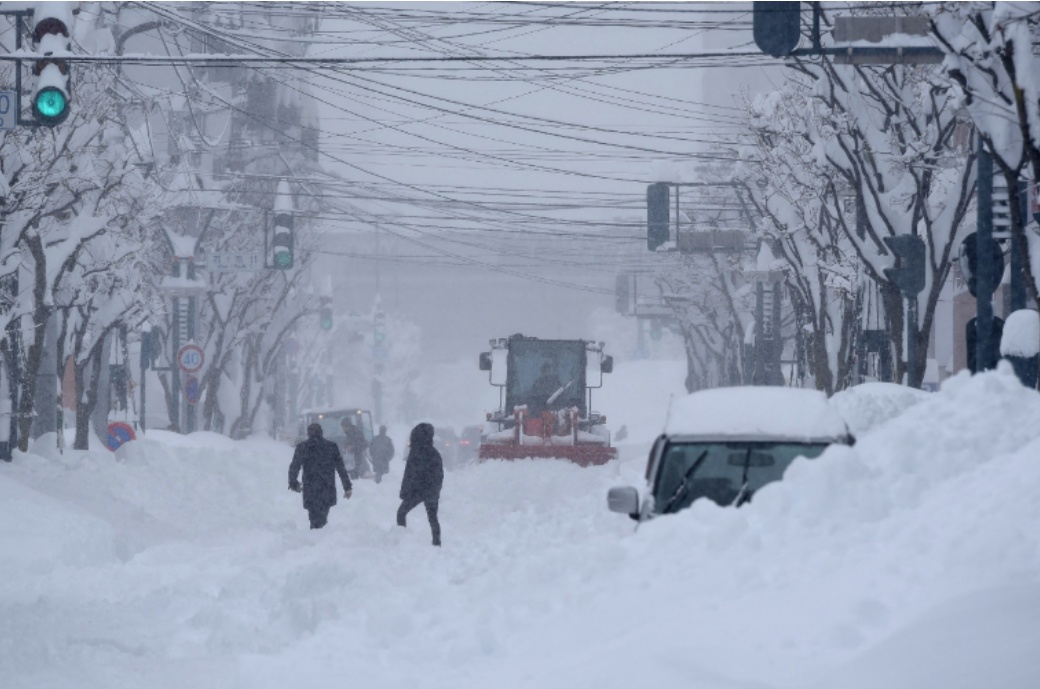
[{"x": 752, "y": 412}]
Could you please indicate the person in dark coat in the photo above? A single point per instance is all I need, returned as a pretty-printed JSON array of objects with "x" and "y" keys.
[
  {"x": 320, "y": 460},
  {"x": 381, "y": 450},
  {"x": 542, "y": 389},
  {"x": 423, "y": 478},
  {"x": 355, "y": 445}
]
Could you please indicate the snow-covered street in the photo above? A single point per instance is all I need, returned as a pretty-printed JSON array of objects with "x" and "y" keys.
[{"x": 909, "y": 560}]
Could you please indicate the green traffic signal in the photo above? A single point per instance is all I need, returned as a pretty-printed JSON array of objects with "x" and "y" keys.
[
  {"x": 51, "y": 106},
  {"x": 283, "y": 259}
]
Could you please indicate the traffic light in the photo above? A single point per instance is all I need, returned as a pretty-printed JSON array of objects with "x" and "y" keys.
[
  {"x": 658, "y": 215},
  {"x": 968, "y": 258},
  {"x": 655, "y": 329},
  {"x": 50, "y": 99},
  {"x": 378, "y": 330},
  {"x": 776, "y": 27},
  {"x": 282, "y": 243},
  {"x": 908, "y": 272},
  {"x": 326, "y": 314}
]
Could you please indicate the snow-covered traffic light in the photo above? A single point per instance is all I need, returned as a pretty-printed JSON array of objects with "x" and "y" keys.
[
  {"x": 908, "y": 273},
  {"x": 50, "y": 99},
  {"x": 282, "y": 243}
]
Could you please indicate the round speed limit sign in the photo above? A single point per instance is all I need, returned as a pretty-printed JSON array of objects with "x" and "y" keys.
[{"x": 190, "y": 358}]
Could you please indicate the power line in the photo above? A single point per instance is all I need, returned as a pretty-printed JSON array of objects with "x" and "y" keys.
[{"x": 235, "y": 60}]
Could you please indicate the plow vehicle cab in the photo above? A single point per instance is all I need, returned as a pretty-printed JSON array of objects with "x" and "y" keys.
[{"x": 545, "y": 400}]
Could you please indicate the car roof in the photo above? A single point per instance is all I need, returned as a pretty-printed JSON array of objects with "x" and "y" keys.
[
  {"x": 333, "y": 410},
  {"x": 756, "y": 413}
]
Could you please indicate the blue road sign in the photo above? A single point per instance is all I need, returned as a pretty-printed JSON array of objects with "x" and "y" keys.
[
  {"x": 118, "y": 433},
  {"x": 192, "y": 391}
]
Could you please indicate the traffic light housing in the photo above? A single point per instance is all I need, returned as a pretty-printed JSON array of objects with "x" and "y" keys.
[
  {"x": 968, "y": 258},
  {"x": 776, "y": 27},
  {"x": 283, "y": 241},
  {"x": 326, "y": 314},
  {"x": 655, "y": 329},
  {"x": 50, "y": 99},
  {"x": 908, "y": 273},
  {"x": 379, "y": 330},
  {"x": 658, "y": 215}
]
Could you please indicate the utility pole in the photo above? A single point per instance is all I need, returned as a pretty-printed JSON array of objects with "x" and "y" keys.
[{"x": 986, "y": 349}]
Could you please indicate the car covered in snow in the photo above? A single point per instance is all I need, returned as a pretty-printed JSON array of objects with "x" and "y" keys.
[
  {"x": 331, "y": 421},
  {"x": 725, "y": 444}
]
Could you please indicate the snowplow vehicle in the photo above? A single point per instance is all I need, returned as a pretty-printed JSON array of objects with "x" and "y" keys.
[{"x": 545, "y": 408}]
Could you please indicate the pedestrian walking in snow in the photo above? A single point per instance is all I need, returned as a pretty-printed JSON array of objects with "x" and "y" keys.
[
  {"x": 381, "y": 450},
  {"x": 423, "y": 478},
  {"x": 354, "y": 447},
  {"x": 320, "y": 460}
]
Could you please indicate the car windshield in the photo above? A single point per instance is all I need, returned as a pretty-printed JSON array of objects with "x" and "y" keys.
[
  {"x": 544, "y": 370},
  {"x": 723, "y": 472}
]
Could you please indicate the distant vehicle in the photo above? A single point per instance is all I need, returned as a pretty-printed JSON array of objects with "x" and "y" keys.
[
  {"x": 331, "y": 421},
  {"x": 725, "y": 444},
  {"x": 546, "y": 407},
  {"x": 447, "y": 443},
  {"x": 469, "y": 444}
]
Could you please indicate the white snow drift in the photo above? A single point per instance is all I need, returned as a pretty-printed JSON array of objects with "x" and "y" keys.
[{"x": 909, "y": 560}]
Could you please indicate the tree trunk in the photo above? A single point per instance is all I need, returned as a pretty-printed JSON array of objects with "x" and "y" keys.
[
  {"x": 41, "y": 314},
  {"x": 896, "y": 322},
  {"x": 87, "y": 392}
]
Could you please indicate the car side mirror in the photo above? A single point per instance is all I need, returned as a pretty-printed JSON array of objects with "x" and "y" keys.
[
  {"x": 485, "y": 361},
  {"x": 606, "y": 365},
  {"x": 625, "y": 500}
]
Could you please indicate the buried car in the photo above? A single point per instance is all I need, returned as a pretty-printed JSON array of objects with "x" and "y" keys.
[{"x": 724, "y": 444}]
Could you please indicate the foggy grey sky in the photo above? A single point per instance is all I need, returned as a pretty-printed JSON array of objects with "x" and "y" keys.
[{"x": 564, "y": 210}]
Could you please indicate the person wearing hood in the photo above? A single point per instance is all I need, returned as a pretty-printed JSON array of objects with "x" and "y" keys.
[
  {"x": 423, "y": 478},
  {"x": 382, "y": 451},
  {"x": 320, "y": 460}
]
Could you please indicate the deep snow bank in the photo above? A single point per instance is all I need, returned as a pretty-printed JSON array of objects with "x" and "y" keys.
[
  {"x": 869, "y": 405},
  {"x": 920, "y": 537}
]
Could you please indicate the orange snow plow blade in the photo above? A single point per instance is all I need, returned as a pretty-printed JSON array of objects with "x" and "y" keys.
[{"x": 582, "y": 455}]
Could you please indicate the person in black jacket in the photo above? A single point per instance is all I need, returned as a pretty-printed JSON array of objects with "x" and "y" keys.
[
  {"x": 381, "y": 450},
  {"x": 355, "y": 445},
  {"x": 320, "y": 460},
  {"x": 423, "y": 478}
]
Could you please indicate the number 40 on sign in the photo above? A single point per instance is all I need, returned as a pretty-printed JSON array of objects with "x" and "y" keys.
[{"x": 190, "y": 358}]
